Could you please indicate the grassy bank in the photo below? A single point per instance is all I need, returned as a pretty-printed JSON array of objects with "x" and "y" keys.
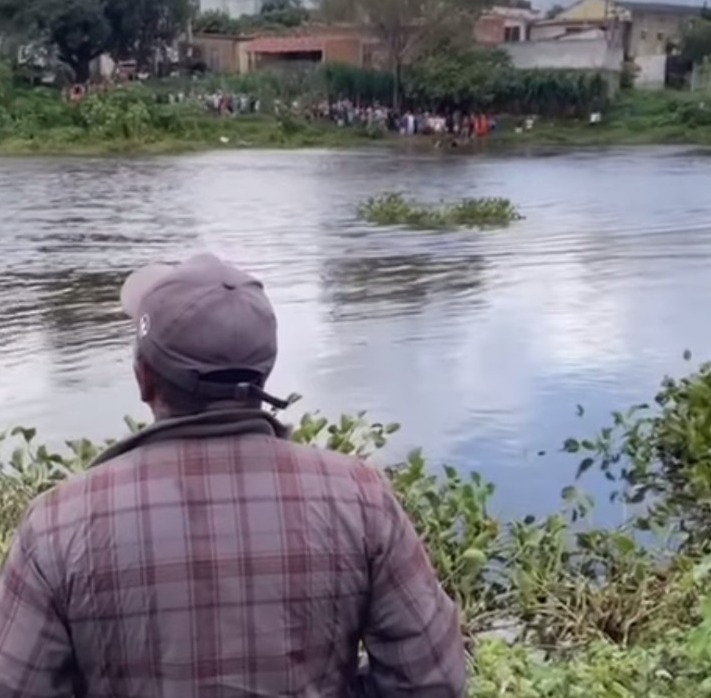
[
  {"x": 190, "y": 130},
  {"x": 139, "y": 120},
  {"x": 635, "y": 118},
  {"x": 551, "y": 607},
  {"x": 239, "y": 138}
]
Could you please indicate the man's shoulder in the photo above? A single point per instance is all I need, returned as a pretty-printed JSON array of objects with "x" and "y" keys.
[
  {"x": 327, "y": 462},
  {"x": 69, "y": 501},
  {"x": 74, "y": 499}
]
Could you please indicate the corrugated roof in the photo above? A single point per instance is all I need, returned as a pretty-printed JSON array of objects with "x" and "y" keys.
[
  {"x": 661, "y": 8},
  {"x": 285, "y": 44}
]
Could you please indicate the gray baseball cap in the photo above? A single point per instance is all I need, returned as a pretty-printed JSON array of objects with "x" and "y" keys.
[{"x": 204, "y": 326}]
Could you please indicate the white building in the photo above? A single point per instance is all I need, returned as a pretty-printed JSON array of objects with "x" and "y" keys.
[
  {"x": 234, "y": 8},
  {"x": 237, "y": 8}
]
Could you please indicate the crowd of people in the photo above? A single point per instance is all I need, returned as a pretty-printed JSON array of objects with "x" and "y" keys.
[
  {"x": 219, "y": 102},
  {"x": 342, "y": 112},
  {"x": 345, "y": 113},
  {"x": 407, "y": 122}
]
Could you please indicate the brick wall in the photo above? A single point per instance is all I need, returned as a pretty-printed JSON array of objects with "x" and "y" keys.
[
  {"x": 489, "y": 30},
  {"x": 343, "y": 50}
]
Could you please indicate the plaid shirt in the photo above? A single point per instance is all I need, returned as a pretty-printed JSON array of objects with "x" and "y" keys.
[{"x": 223, "y": 567}]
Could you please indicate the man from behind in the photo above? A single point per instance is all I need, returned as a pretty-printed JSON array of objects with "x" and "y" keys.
[{"x": 210, "y": 556}]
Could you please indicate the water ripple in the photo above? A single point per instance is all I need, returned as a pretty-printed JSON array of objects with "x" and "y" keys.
[{"x": 481, "y": 343}]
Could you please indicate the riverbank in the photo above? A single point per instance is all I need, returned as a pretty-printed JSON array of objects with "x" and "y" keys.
[
  {"x": 551, "y": 607},
  {"x": 128, "y": 122},
  {"x": 635, "y": 118},
  {"x": 206, "y": 133},
  {"x": 241, "y": 135}
]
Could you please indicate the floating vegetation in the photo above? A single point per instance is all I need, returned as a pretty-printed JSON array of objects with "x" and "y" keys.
[{"x": 393, "y": 208}]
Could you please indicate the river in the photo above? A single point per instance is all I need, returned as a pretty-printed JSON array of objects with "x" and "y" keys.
[{"x": 481, "y": 344}]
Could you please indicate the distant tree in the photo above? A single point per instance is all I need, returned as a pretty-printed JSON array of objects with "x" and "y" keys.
[
  {"x": 81, "y": 30},
  {"x": 78, "y": 29},
  {"x": 271, "y": 6},
  {"x": 274, "y": 15},
  {"x": 283, "y": 13},
  {"x": 554, "y": 11},
  {"x": 140, "y": 27},
  {"x": 518, "y": 4},
  {"x": 216, "y": 22},
  {"x": 445, "y": 79},
  {"x": 696, "y": 42},
  {"x": 408, "y": 28}
]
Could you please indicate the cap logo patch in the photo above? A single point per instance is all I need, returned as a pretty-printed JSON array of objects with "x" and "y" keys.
[{"x": 144, "y": 326}]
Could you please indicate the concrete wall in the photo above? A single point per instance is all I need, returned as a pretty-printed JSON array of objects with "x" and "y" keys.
[
  {"x": 701, "y": 77},
  {"x": 594, "y": 11},
  {"x": 652, "y": 31},
  {"x": 651, "y": 72},
  {"x": 223, "y": 54},
  {"x": 103, "y": 67},
  {"x": 591, "y": 11},
  {"x": 544, "y": 32},
  {"x": 582, "y": 54}
]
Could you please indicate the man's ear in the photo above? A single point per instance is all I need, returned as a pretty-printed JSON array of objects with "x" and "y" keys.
[{"x": 145, "y": 377}]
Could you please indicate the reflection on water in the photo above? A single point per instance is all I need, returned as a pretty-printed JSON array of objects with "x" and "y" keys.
[
  {"x": 481, "y": 344},
  {"x": 398, "y": 284}
]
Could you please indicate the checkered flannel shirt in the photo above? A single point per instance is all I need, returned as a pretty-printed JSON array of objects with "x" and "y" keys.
[{"x": 223, "y": 567}]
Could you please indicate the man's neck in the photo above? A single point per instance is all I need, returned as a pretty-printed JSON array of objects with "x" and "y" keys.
[{"x": 161, "y": 412}]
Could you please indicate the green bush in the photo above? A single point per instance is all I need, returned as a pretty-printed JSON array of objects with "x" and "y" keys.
[
  {"x": 360, "y": 85},
  {"x": 394, "y": 209},
  {"x": 658, "y": 459},
  {"x": 551, "y": 607},
  {"x": 140, "y": 115},
  {"x": 486, "y": 81}
]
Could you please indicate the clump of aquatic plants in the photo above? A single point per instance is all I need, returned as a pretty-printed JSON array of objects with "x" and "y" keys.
[
  {"x": 551, "y": 607},
  {"x": 393, "y": 208}
]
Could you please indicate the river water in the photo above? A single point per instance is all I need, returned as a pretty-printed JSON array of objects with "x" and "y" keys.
[{"x": 481, "y": 344}]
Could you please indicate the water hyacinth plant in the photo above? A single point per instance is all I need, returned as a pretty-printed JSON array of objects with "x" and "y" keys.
[
  {"x": 551, "y": 607},
  {"x": 393, "y": 208}
]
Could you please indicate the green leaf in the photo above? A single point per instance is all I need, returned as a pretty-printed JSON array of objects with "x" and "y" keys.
[
  {"x": 451, "y": 472},
  {"x": 475, "y": 559},
  {"x": 584, "y": 466},
  {"x": 571, "y": 446},
  {"x": 702, "y": 569},
  {"x": 569, "y": 494},
  {"x": 624, "y": 544},
  {"x": 27, "y": 434}
]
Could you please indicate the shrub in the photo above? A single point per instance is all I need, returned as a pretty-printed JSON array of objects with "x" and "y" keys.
[
  {"x": 549, "y": 610},
  {"x": 658, "y": 458},
  {"x": 485, "y": 81},
  {"x": 394, "y": 209}
]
